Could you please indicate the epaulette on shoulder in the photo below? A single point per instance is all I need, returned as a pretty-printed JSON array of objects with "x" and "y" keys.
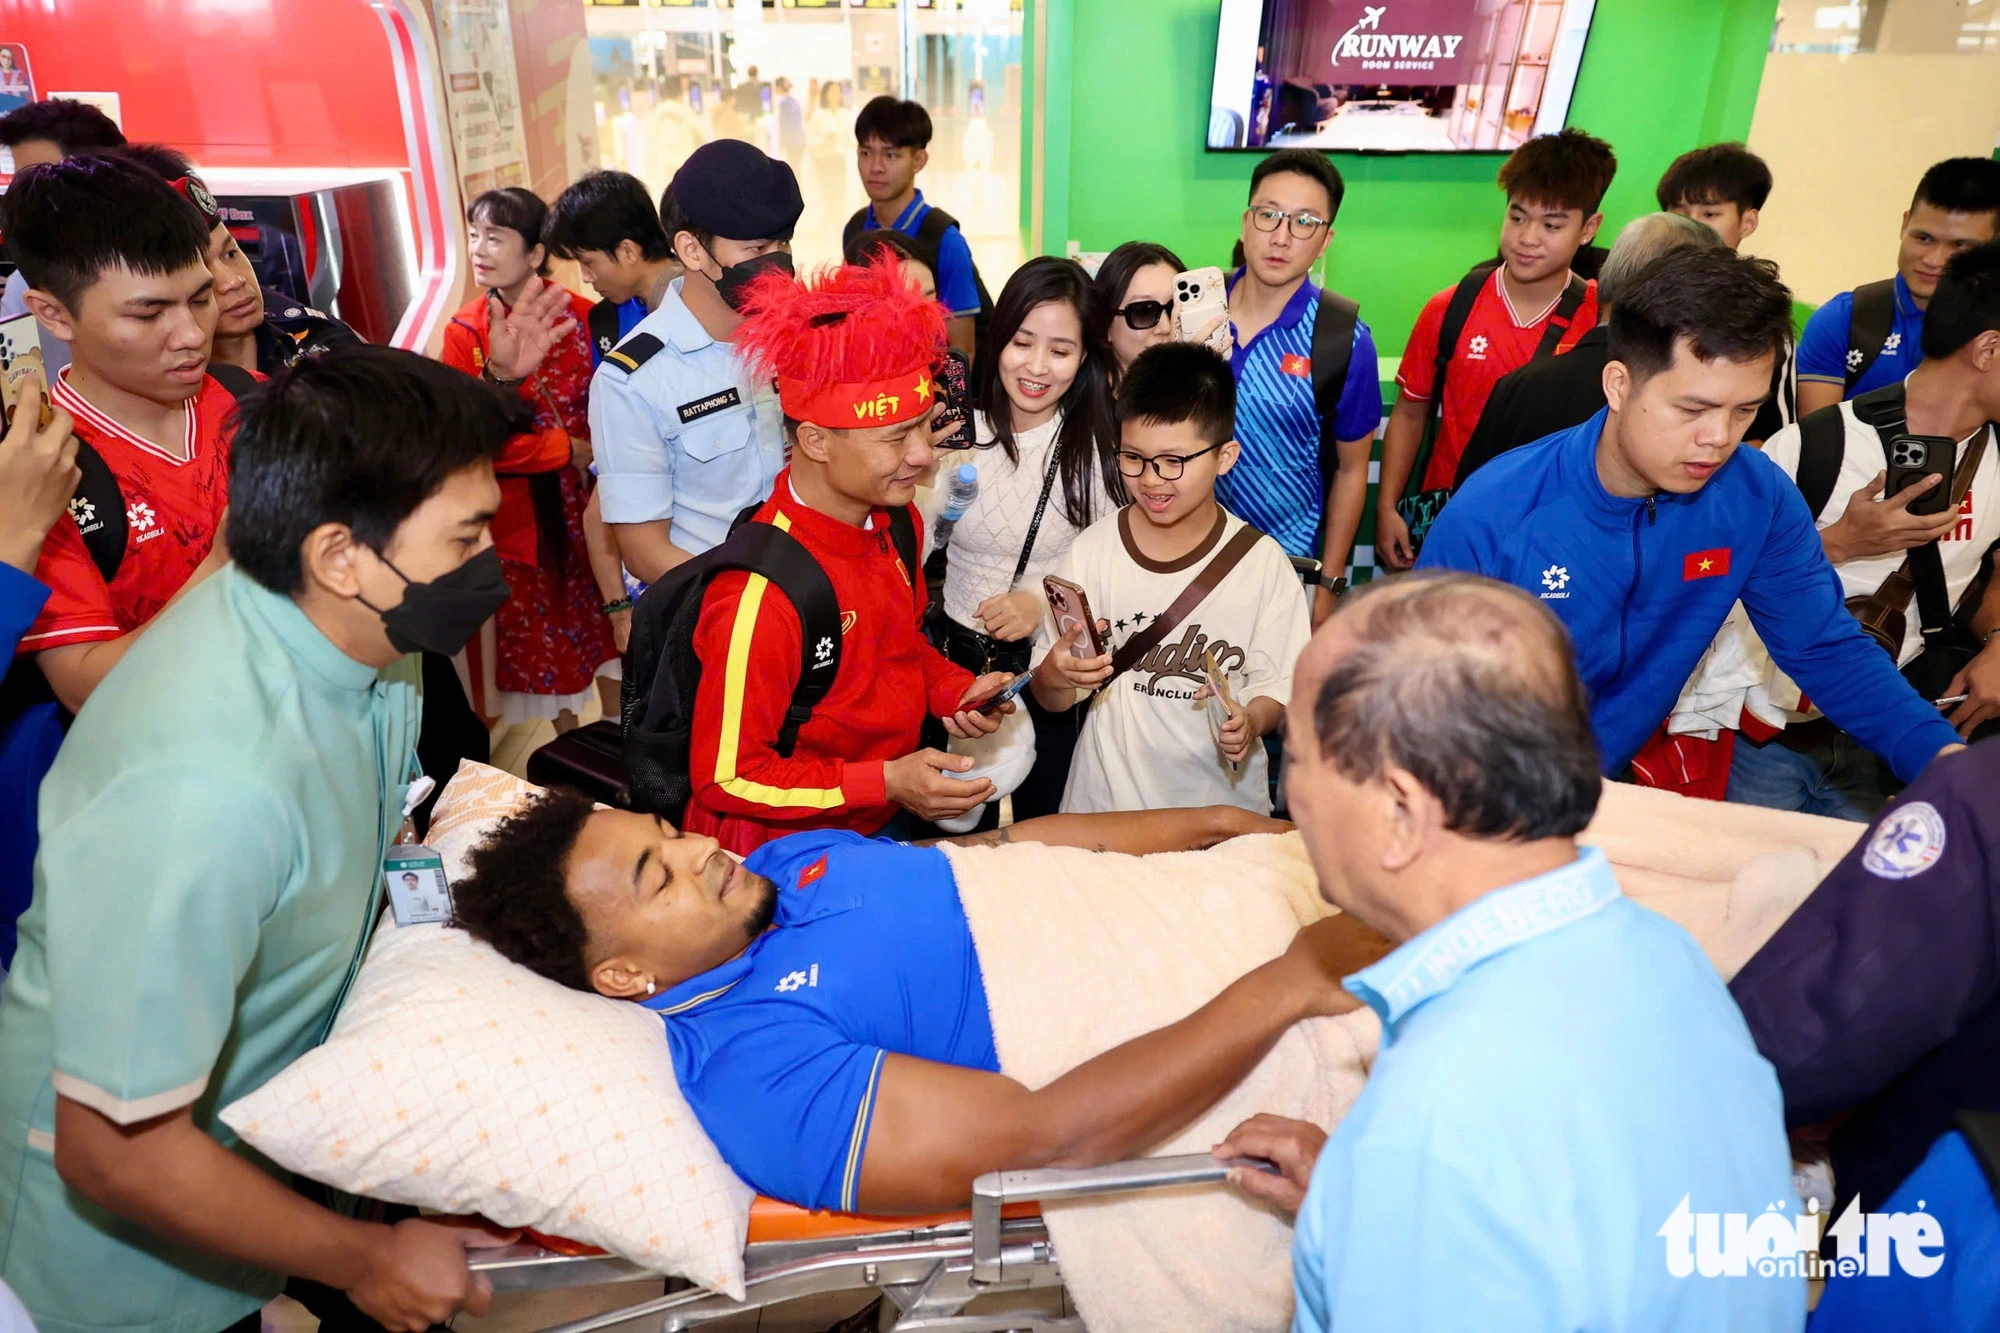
[{"x": 634, "y": 352}]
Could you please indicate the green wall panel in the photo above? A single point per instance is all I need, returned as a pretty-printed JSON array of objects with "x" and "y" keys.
[{"x": 1126, "y": 104}]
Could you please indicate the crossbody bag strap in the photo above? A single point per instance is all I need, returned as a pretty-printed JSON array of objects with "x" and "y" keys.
[
  {"x": 1211, "y": 576},
  {"x": 1926, "y": 562},
  {"x": 1562, "y": 317},
  {"x": 1041, "y": 507}
]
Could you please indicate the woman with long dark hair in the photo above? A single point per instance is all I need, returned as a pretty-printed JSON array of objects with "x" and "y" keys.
[
  {"x": 1132, "y": 304},
  {"x": 552, "y": 636},
  {"x": 1044, "y": 453}
]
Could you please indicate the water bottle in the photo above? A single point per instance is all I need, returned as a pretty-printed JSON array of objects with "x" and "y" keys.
[{"x": 964, "y": 490}]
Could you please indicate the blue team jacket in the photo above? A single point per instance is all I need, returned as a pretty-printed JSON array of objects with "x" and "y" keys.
[{"x": 1643, "y": 585}]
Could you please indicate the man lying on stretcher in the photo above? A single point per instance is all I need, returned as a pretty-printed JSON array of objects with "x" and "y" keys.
[{"x": 824, "y": 1004}]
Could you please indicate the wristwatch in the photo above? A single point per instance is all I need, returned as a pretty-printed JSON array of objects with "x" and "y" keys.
[
  {"x": 1335, "y": 585},
  {"x": 486, "y": 373}
]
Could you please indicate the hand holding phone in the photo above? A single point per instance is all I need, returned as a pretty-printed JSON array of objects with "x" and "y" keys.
[
  {"x": 1069, "y": 605},
  {"x": 1201, "y": 297},
  {"x": 1914, "y": 457},
  {"x": 1004, "y": 694}
]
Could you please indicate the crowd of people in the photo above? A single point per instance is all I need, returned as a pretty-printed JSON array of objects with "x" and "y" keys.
[{"x": 896, "y": 559}]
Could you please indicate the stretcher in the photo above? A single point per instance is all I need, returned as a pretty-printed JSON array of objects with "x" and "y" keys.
[{"x": 928, "y": 1269}]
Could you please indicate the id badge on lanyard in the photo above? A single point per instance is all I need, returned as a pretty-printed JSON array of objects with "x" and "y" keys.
[{"x": 413, "y": 874}]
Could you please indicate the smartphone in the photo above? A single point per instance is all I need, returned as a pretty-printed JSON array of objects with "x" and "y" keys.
[
  {"x": 1200, "y": 295},
  {"x": 1003, "y": 694},
  {"x": 1071, "y": 607},
  {"x": 1914, "y": 457},
  {"x": 954, "y": 401}
]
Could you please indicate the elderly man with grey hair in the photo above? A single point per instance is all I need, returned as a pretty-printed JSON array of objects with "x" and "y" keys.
[
  {"x": 1555, "y": 393},
  {"x": 1565, "y": 1097}
]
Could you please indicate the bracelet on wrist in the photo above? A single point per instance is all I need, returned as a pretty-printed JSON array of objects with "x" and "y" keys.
[{"x": 622, "y": 604}]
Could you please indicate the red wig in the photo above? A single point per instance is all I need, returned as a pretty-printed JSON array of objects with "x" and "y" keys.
[{"x": 850, "y": 346}]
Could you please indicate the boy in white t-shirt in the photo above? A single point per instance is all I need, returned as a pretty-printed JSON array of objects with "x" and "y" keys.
[{"x": 1153, "y": 738}]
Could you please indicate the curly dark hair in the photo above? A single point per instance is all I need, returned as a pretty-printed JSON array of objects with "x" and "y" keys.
[{"x": 516, "y": 898}]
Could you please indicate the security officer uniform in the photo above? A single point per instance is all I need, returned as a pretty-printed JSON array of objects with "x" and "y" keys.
[
  {"x": 1880, "y": 996},
  {"x": 291, "y": 330},
  {"x": 682, "y": 428}
]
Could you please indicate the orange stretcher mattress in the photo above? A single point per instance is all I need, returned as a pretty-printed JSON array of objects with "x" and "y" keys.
[{"x": 771, "y": 1220}]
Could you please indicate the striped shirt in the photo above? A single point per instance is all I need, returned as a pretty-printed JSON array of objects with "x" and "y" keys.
[
  {"x": 779, "y": 1051},
  {"x": 1277, "y": 484}
]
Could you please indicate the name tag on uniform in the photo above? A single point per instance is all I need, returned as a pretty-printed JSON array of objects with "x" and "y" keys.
[
  {"x": 709, "y": 406},
  {"x": 418, "y": 893}
]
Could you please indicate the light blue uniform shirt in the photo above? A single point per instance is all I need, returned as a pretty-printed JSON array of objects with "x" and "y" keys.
[
  {"x": 211, "y": 861},
  {"x": 691, "y": 436},
  {"x": 1559, "y": 1069}
]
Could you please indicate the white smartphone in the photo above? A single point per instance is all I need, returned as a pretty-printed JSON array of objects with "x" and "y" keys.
[{"x": 1200, "y": 296}]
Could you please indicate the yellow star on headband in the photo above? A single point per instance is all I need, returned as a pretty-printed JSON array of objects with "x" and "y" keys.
[{"x": 923, "y": 387}]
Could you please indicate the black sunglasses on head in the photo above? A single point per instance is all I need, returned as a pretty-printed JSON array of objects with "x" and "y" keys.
[{"x": 1142, "y": 315}]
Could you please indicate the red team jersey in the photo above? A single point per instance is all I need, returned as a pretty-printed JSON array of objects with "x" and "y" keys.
[
  {"x": 1493, "y": 342},
  {"x": 173, "y": 510}
]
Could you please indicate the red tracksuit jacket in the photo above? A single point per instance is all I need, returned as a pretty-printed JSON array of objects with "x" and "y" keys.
[{"x": 890, "y": 678}]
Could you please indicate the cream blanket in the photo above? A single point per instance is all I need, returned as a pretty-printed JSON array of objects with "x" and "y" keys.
[{"x": 1146, "y": 941}]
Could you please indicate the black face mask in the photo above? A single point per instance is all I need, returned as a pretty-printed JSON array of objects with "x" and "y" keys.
[
  {"x": 442, "y": 616},
  {"x": 734, "y": 284}
]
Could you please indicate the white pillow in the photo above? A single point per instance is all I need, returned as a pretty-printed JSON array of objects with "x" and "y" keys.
[{"x": 457, "y": 1081}]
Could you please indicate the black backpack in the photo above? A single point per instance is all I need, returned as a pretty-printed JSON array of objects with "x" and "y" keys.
[
  {"x": 98, "y": 509},
  {"x": 1332, "y": 352},
  {"x": 663, "y": 674},
  {"x": 1868, "y": 325},
  {"x": 930, "y": 235}
]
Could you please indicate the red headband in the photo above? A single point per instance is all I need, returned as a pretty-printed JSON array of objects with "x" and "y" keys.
[{"x": 884, "y": 402}]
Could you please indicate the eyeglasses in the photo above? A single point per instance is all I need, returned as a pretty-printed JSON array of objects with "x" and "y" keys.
[
  {"x": 1168, "y": 466},
  {"x": 1138, "y": 315},
  {"x": 1305, "y": 226}
]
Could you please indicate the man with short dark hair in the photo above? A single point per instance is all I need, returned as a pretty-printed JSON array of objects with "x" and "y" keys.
[
  {"x": 228, "y": 797},
  {"x": 685, "y": 435},
  {"x": 1724, "y": 185},
  {"x": 607, "y": 223},
  {"x": 39, "y": 133},
  {"x": 1644, "y": 526},
  {"x": 1873, "y": 335},
  {"x": 1558, "y": 392},
  {"x": 1527, "y": 304},
  {"x": 1306, "y": 435},
  {"x": 892, "y": 140},
  {"x": 114, "y": 261},
  {"x": 1441, "y": 769}
]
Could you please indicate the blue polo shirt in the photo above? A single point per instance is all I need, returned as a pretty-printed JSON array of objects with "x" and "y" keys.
[
  {"x": 1560, "y": 1069},
  {"x": 779, "y": 1050},
  {"x": 1822, "y": 357},
  {"x": 1277, "y": 484},
  {"x": 957, "y": 290}
]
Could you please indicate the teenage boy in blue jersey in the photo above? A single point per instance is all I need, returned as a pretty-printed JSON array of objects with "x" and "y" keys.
[
  {"x": 1957, "y": 206},
  {"x": 1643, "y": 526},
  {"x": 609, "y": 225},
  {"x": 1280, "y": 483}
]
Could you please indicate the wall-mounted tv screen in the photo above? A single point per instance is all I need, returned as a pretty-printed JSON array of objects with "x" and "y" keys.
[{"x": 1399, "y": 76}]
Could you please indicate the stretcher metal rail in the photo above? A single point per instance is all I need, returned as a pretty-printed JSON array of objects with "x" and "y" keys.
[{"x": 929, "y": 1274}]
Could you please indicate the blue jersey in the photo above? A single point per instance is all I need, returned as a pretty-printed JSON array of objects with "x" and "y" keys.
[
  {"x": 780, "y": 1049},
  {"x": 1643, "y": 586},
  {"x": 1822, "y": 356},
  {"x": 1277, "y": 484},
  {"x": 957, "y": 289},
  {"x": 629, "y": 314}
]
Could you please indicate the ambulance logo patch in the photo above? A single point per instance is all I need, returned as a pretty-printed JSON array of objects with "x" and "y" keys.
[{"x": 1907, "y": 842}]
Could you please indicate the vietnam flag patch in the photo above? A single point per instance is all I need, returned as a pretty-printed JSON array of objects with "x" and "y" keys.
[
  {"x": 1294, "y": 364},
  {"x": 812, "y": 872},
  {"x": 1705, "y": 564}
]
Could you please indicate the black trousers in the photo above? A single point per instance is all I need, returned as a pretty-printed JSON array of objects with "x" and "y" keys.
[{"x": 1041, "y": 792}]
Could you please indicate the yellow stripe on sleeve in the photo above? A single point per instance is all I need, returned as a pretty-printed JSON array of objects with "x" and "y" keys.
[
  {"x": 850, "y": 1181},
  {"x": 735, "y": 677}
]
